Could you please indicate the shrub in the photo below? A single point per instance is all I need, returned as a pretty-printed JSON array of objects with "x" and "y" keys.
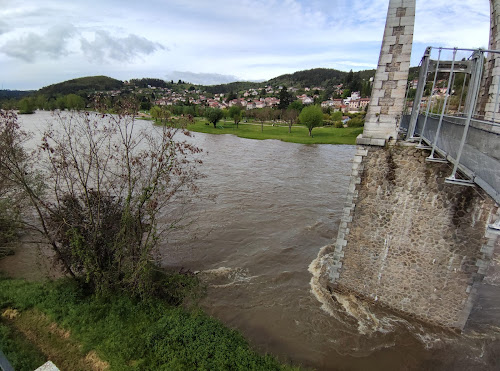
[{"x": 356, "y": 122}]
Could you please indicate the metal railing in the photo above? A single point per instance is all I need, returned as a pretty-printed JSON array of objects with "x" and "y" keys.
[
  {"x": 479, "y": 160},
  {"x": 445, "y": 117}
]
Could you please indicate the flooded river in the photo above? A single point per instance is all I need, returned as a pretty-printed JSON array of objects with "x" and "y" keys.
[{"x": 276, "y": 206}]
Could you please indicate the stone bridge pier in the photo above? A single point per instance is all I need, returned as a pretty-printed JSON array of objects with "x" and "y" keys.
[{"x": 408, "y": 240}]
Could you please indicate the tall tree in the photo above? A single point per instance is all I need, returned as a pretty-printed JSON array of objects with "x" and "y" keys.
[
  {"x": 263, "y": 115},
  {"x": 160, "y": 113},
  {"x": 285, "y": 98},
  {"x": 27, "y": 105},
  {"x": 349, "y": 77},
  {"x": 213, "y": 115},
  {"x": 290, "y": 115},
  {"x": 235, "y": 113},
  {"x": 311, "y": 117}
]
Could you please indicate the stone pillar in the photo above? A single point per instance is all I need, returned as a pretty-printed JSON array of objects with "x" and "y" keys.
[
  {"x": 389, "y": 87},
  {"x": 491, "y": 77}
]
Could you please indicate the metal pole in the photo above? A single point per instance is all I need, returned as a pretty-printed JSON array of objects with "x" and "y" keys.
[
  {"x": 462, "y": 94},
  {"x": 496, "y": 100},
  {"x": 475, "y": 90},
  {"x": 431, "y": 156},
  {"x": 405, "y": 108},
  {"x": 422, "y": 79},
  {"x": 452, "y": 89},
  {"x": 430, "y": 103}
]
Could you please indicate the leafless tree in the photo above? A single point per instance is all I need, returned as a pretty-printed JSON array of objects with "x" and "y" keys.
[{"x": 99, "y": 186}]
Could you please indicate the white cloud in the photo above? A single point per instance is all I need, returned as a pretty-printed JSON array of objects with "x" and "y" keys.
[
  {"x": 122, "y": 49},
  {"x": 31, "y": 46},
  {"x": 254, "y": 39}
]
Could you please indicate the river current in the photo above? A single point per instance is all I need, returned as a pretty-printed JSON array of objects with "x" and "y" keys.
[{"x": 267, "y": 208}]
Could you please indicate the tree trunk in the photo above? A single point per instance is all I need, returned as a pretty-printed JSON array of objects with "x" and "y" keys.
[
  {"x": 290, "y": 128},
  {"x": 310, "y": 130},
  {"x": 215, "y": 125}
]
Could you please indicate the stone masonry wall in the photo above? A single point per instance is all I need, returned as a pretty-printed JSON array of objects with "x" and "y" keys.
[
  {"x": 389, "y": 86},
  {"x": 410, "y": 241},
  {"x": 491, "y": 77}
]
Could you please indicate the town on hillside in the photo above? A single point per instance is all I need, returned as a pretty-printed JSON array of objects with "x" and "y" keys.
[{"x": 333, "y": 90}]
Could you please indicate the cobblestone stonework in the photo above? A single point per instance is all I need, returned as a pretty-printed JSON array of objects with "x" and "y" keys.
[
  {"x": 491, "y": 77},
  {"x": 389, "y": 86},
  {"x": 408, "y": 240}
]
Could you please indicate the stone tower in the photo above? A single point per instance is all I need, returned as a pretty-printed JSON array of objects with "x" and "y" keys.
[
  {"x": 491, "y": 78},
  {"x": 389, "y": 87}
]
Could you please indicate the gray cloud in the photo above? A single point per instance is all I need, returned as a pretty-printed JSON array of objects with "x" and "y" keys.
[
  {"x": 201, "y": 78},
  {"x": 105, "y": 46},
  {"x": 3, "y": 27},
  {"x": 29, "y": 47}
]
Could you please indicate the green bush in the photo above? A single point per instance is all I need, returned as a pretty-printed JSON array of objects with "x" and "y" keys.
[{"x": 356, "y": 122}]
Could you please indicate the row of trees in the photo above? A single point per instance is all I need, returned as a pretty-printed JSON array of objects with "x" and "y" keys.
[
  {"x": 32, "y": 103},
  {"x": 310, "y": 116}
]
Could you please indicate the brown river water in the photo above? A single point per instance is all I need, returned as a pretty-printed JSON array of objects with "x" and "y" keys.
[{"x": 276, "y": 206}]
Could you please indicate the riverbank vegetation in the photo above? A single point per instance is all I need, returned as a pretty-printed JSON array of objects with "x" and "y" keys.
[
  {"x": 97, "y": 186},
  {"x": 93, "y": 193},
  {"x": 79, "y": 331}
]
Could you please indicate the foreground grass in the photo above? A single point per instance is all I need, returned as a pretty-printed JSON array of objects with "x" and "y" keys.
[{"x": 57, "y": 320}]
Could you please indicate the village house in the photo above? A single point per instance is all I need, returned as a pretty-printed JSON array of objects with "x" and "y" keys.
[
  {"x": 353, "y": 104},
  {"x": 364, "y": 102},
  {"x": 327, "y": 103},
  {"x": 260, "y": 104},
  {"x": 337, "y": 103},
  {"x": 305, "y": 99},
  {"x": 251, "y": 105},
  {"x": 272, "y": 101}
]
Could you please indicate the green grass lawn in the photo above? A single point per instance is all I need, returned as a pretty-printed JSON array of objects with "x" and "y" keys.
[
  {"x": 57, "y": 320},
  {"x": 299, "y": 134}
]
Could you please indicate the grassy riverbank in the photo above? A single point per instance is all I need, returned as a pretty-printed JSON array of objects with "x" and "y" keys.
[
  {"x": 299, "y": 134},
  {"x": 58, "y": 321}
]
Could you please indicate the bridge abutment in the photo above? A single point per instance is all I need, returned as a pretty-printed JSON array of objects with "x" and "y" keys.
[{"x": 408, "y": 240}]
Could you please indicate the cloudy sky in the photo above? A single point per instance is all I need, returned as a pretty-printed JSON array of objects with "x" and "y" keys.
[{"x": 208, "y": 41}]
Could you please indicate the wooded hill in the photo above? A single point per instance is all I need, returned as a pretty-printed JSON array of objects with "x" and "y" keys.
[
  {"x": 310, "y": 78},
  {"x": 316, "y": 77},
  {"x": 14, "y": 94},
  {"x": 82, "y": 86}
]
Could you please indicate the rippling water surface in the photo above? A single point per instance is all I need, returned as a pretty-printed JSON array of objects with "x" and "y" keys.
[{"x": 276, "y": 206}]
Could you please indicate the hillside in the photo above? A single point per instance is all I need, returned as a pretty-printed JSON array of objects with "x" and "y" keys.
[
  {"x": 310, "y": 78},
  {"x": 82, "y": 85},
  {"x": 233, "y": 87},
  {"x": 321, "y": 77},
  {"x": 14, "y": 94}
]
